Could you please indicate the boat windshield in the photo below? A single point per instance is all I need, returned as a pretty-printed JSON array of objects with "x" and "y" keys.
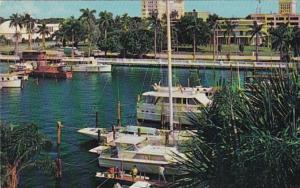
[
  {"x": 148, "y": 99},
  {"x": 193, "y": 101}
]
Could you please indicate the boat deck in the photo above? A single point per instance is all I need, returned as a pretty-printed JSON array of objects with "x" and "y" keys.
[{"x": 128, "y": 178}]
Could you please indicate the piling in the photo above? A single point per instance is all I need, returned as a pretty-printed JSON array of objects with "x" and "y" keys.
[
  {"x": 114, "y": 131},
  {"x": 96, "y": 125},
  {"x": 119, "y": 124},
  {"x": 166, "y": 138},
  {"x": 139, "y": 131},
  {"x": 58, "y": 157},
  {"x": 99, "y": 137}
]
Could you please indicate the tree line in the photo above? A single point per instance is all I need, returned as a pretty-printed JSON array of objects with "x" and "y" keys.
[{"x": 134, "y": 36}]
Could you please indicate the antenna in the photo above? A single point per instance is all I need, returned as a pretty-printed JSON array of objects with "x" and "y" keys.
[{"x": 258, "y": 8}]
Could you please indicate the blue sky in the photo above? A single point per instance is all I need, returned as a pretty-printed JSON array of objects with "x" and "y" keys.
[{"x": 60, "y": 8}]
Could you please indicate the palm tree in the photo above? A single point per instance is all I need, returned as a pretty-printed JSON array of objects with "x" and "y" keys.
[
  {"x": 229, "y": 31},
  {"x": 29, "y": 23},
  {"x": 155, "y": 25},
  {"x": 295, "y": 43},
  {"x": 256, "y": 30},
  {"x": 240, "y": 133},
  {"x": 125, "y": 22},
  {"x": 21, "y": 148},
  {"x": 280, "y": 40},
  {"x": 195, "y": 27},
  {"x": 16, "y": 21},
  {"x": 213, "y": 23},
  {"x": 105, "y": 22},
  {"x": 44, "y": 31},
  {"x": 89, "y": 18}
]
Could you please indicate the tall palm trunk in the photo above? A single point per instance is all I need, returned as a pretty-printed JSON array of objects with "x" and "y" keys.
[
  {"x": 29, "y": 41},
  {"x": 214, "y": 45},
  {"x": 217, "y": 41},
  {"x": 229, "y": 46},
  {"x": 105, "y": 36},
  {"x": 155, "y": 40},
  {"x": 256, "y": 46},
  {"x": 29, "y": 37},
  {"x": 44, "y": 42},
  {"x": 90, "y": 39},
  {"x": 17, "y": 41},
  {"x": 194, "y": 46}
]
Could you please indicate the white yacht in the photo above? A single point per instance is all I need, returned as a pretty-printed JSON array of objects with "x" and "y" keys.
[
  {"x": 90, "y": 65},
  {"x": 130, "y": 150},
  {"x": 154, "y": 105},
  {"x": 27, "y": 66},
  {"x": 9, "y": 81}
]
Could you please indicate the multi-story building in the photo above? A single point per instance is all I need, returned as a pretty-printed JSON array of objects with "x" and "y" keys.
[
  {"x": 159, "y": 6},
  {"x": 241, "y": 32},
  {"x": 287, "y": 6},
  {"x": 202, "y": 15},
  {"x": 287, "y": 14}
]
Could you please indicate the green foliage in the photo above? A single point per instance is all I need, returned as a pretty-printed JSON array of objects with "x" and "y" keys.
[
  {"x": 112, "y": 43},
  {"x": 247, "y": 138},
  {"x": 188, "y": 26},
  {"x": 136, "y": 42},
  {"x": 72, "y": 29},
  {"x": 286, "y": 39},
  {"x": 21, "y": 147}
]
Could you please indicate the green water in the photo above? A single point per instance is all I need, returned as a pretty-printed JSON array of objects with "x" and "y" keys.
[{"x": 74, "y": 103}]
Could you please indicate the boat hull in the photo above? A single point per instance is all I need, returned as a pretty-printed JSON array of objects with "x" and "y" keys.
[
  {"x": 92, "y": 68},
  {"x": 182, "y": 118},
  {"x": 59, "y": 75},
  {"x": 142, "y": 166},
  {"x": 10, "y": 84}
]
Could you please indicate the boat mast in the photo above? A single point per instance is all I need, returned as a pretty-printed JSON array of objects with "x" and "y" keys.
[{"x": 169, "y": 65}]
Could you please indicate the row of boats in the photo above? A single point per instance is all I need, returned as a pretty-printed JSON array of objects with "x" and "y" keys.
[{"x": 41, "y": 69}]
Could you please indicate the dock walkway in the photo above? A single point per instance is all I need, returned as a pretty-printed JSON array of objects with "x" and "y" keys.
[
  {"x": 195, "y": 64},
  {"x": 176, "y": 63}
]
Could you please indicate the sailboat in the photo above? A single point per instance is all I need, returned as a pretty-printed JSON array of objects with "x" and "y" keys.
[{"x": 129, "y": 150}]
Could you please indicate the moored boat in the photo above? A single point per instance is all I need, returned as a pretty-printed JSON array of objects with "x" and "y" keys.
[
  {"x": 154, "y": 105},
  {"x": 51, "y": 71},
  {"x": 90, "y": 65},
  {"x": 9, "y": 81},
  {"x": 27, "y": 66},
  {"x": 133, "y": 150}
]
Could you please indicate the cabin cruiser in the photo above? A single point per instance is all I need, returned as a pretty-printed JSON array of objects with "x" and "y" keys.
[
  {"x": 90, "y": 65},
  {"x": 27, "y": 66},
  {"x": 9, "y": 81},
  {"x": 130, "y": 150},
  {"x": 154, "y": 105}
]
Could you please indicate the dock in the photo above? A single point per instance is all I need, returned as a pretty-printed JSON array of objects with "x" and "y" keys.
[
  {"x": 9, "y": 58},
  {"x": 241, "y": 65},
  {"x": 176, "y": 63}
]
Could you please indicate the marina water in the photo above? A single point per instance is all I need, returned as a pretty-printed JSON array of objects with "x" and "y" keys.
[{"x": 74, "y": 103}]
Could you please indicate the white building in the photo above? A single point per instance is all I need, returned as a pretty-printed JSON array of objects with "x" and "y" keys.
[{"x": 9, "y": 32}]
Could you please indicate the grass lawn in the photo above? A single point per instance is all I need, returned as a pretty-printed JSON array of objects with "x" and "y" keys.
[
  {"x": 204, "y": 50},
  {"x": 234, "y": 49}
]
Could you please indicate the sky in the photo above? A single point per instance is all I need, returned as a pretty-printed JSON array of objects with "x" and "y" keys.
[{"x": 67, "y": 8}]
